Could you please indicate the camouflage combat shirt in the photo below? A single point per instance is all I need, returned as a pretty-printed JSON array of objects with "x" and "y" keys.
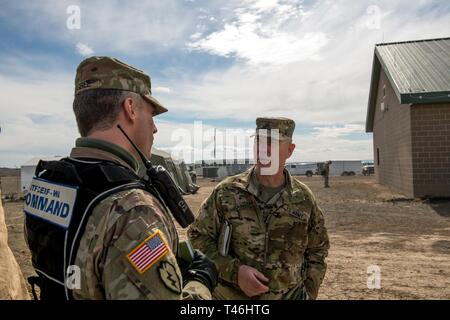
[
  {"x": 284, "y": 238},
  {"x": 118, "y": 226}
]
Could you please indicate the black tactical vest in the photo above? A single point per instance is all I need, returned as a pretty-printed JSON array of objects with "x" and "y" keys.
[{"x": 53, "y": 247}]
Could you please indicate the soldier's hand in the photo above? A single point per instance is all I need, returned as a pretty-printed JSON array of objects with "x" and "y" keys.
[
  {"x": 251, "y": 281},
  {"x": 202, "y": 269}
]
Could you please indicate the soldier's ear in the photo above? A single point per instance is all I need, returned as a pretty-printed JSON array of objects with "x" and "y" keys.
[
  {"x": 129, "y": 107},
  {"x": 291, "y": 149}
]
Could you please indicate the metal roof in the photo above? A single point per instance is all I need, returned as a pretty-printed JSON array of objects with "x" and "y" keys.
[{"x": 419, "y": 72}]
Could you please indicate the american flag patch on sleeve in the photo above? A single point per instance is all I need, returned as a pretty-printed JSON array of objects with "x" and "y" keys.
[{"x": 148, "y": 252}]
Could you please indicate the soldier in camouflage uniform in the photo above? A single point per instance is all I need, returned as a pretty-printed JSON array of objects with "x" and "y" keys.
[
  {"x": 266, "y": 234},
  {"x": 109, "y": 92},
  {"x": 326, "y": 174}
]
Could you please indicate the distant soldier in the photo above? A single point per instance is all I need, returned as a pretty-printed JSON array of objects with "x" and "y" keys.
[
  {"x": 264, "y": 231},
  {"x": 193, "y": 174},
  {"x": 326, "y": 173}
]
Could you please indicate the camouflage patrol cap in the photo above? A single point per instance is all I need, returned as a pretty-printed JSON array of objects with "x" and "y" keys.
[
  {"x": 285, "y": 127},
  {"x": 111, "y": 73}
]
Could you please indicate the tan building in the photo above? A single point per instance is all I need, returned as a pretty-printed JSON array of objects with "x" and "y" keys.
[{"x": 409, "y": 115}]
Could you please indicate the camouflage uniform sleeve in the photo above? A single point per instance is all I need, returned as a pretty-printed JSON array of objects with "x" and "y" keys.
[
  {"x": 204, "y": 234},
  {"x": 194, "y": 290},
  {"x": 316, "y": 251},
  {"x": 130, "y": 223}
]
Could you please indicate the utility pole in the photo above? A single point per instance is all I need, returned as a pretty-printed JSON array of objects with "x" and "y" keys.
[{"x": 214, "y": 143}]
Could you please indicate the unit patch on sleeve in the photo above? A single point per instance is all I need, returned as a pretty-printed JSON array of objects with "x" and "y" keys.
[
  {"x": 169, "y": 276},
  {"x": 148, "y": 252},
  {"x": 52, "y": 202}
]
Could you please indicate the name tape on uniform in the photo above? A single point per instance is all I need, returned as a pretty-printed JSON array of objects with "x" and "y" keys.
[{"x": 50, "y": 201}]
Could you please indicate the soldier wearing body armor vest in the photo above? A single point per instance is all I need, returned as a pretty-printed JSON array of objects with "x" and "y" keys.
[
  {"x": 97, "y": 230},
  {"x": 263, "y": 228}
]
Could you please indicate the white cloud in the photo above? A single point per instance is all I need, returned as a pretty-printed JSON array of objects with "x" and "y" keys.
[
  {"x": 335, "y": 131},
  {"x": 275, "y": 49},
  {"x": 134, "y": 27},
  {"x": 195, "y": 141},
  {"x": 264, "y": 5},
  {"x": 38, "y": 118},
  {"x": 195, "y": 36},
  {"x": 310, "y": 63},
  {"x": 313, "y": 148},
  {"x": 230, "y": 143},
  {"x": 161, "y": 90},
  {"x": 259, "y": 35},
  {"x": 84, "y": 50},
  {"x": 322, "y": 84},
  {"x": 42, "y": 123},
  {"x": 292, "y": 91}
]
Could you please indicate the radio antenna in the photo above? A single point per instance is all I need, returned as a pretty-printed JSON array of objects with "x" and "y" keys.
[{"x": 144, "y": 159}]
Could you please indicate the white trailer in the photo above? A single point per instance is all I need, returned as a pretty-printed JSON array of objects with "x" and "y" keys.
[
  {"x": 298, "y": 169},
  {"x": 345, "y": 167},
  {"x": 28, "y": 168}
]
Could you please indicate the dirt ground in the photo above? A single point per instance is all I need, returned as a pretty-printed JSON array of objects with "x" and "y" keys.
[{"x": 409, "y": 241}]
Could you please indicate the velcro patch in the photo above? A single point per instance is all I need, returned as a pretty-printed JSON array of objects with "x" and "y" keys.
[
  {"x": 169, "y": 276},
  {"x": 148, "y": 252},
  {"x": 51, "y": 201}
]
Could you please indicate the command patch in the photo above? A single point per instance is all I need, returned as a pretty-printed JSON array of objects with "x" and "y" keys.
[
  {"x": 50, "y": 201},
  {"x": 148, "y": 252}
]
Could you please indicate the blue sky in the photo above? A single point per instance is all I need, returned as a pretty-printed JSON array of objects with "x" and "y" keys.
[{"x": 221, "y": 62}]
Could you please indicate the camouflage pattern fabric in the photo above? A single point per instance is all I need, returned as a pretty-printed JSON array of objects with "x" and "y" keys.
[
  {"x": 12, "y": 282},
  {"x": 111, "y": 73},
  {"x": 284, "y": 126},
  {"x": 117, "y": 226},
  {"x": 285, "y": 239}
]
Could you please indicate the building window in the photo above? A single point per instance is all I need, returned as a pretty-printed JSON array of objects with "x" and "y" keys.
[
  {"x": 384, "y": 91},
  {"x": 378, "y": 156}
]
